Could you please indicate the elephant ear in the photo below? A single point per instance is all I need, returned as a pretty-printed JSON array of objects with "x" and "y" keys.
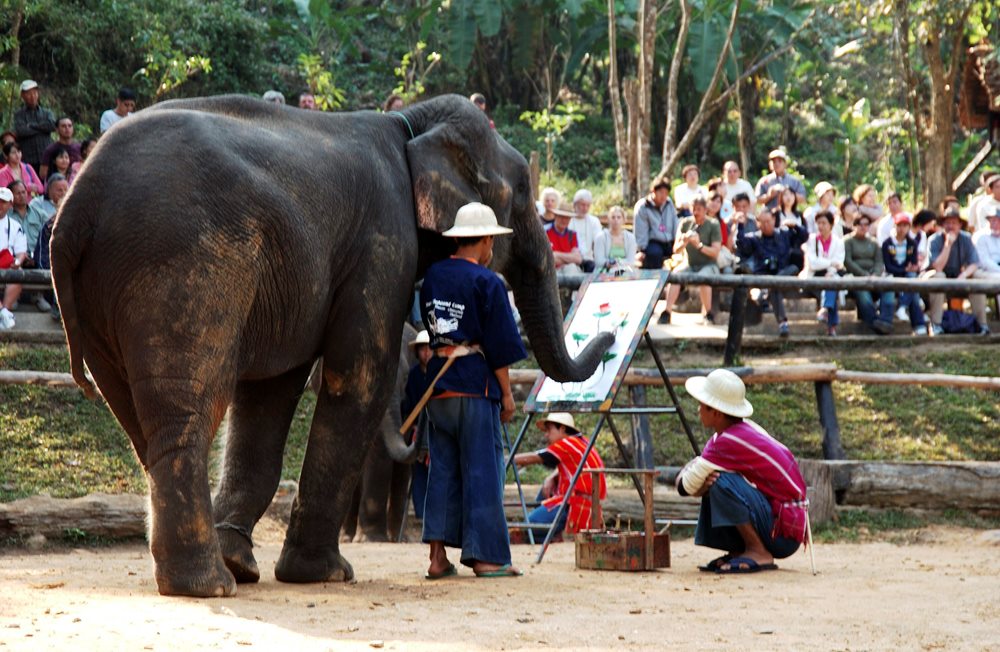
[{"x": 442, "y": 173}]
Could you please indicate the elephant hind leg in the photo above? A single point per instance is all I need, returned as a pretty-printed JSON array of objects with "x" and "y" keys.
[
  {"x": 179, "y": 417},
  {"x": 259, "y": 419},
  {"x": 118, "y": 395}
]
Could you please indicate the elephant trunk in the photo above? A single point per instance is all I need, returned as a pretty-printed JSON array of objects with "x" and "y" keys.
[
  {"x": 531, "y": 274},
  {"x": 395, "y": 445}
]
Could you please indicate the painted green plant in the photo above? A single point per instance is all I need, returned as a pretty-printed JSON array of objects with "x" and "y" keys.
[{"x": 579, "y": 338}]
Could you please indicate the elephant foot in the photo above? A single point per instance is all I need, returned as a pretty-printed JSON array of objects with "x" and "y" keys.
[
  {"x": 237, "y": 553},
  {"x": 373, "y": 536},
  {"x": 300, "y": 566},
  {"x": 208, "y": 578}
]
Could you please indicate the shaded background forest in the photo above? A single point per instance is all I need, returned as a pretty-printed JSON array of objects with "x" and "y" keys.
[{"x": 855, "y": 91}]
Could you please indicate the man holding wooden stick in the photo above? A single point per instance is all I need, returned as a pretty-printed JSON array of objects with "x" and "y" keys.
[
  {"x": 474, "y": 337},
  {"x": 753, "y": 496}
]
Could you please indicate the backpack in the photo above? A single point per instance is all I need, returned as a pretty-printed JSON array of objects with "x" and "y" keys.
[{"x": 957, "y": 321}]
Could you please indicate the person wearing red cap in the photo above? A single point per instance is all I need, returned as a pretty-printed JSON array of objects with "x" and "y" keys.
[{"x": 900, "y": 255}]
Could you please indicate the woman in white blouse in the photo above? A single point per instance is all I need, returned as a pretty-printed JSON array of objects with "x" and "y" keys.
[{"x": 824, "y": 256}]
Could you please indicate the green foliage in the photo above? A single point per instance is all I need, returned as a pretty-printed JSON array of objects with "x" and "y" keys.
[
  {"x": 551, "y": 125},
  {"x": 413, "y": 71},
  {"x": 320, "y": 81}
]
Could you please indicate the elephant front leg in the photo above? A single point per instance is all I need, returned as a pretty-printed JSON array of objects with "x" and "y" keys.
[{"x": 338, "y": 442}]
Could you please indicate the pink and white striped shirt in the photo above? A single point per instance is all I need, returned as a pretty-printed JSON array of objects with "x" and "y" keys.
[{"x": 766, "y": 463}]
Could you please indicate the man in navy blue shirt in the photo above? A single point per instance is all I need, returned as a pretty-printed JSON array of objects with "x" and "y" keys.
[
  {"x": 465, "y": 309},
  {"x": 767, "y": 252}
]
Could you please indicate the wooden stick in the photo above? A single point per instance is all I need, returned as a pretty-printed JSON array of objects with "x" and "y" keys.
[
  {"x": 809, "y": 536},
  {"x": 647, "y": 503},
  {"x": 403, "y": 429}
]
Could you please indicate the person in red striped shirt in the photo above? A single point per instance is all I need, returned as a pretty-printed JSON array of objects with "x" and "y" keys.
[
  {"x": 753, "y": 496},
  {"x": 564, "y": 453}
]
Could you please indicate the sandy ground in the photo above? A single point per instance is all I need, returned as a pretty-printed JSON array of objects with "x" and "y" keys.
[{"x": 939, "y": 589}]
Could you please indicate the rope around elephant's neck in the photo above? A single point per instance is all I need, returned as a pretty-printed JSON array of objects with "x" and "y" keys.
[{"x": 408, "y": 127}]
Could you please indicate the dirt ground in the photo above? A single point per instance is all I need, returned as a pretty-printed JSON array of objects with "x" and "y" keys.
[{"x": 937, "y": 589}]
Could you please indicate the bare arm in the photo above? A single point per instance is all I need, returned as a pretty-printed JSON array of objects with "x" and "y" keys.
[{"x": 507, "y": 406}]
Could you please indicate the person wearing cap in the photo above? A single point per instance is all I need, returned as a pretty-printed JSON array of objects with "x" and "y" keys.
[
  {"x": 33, "y": 125},
  {"x": 685, "y": 193},
  {"x": 952, "y": 255},
  {"x": 417, "y": 382},
  {"x": 124, "y": 106},
  {"x": 468, "y": 317},
  {"x": 654, "y": 220},
  {"x": 753, "y": 496},
  {"x": 988, "y": 245},
  {"x": 564, "y": 452},
  {"x": 987, "y": 206},
  {"x": 586, "y": 226},
  {"x": 565, "y": 243},
  {"x": 13, "y": 251},
  {"x": 826, "y": 195},
  {"x": 767, "y": 194},
  {"x": 900, "y": 256}
]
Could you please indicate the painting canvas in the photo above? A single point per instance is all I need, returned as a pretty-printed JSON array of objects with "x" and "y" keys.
[{"x": 605, "y": 303}]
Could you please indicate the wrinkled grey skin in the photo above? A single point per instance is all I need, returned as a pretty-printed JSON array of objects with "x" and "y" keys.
[
  {"x": 212, "y": 249},
  {"x": 381, "y": 498}
]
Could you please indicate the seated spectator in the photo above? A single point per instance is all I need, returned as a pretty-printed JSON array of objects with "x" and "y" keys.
[
  {"x": 899, "y": 254},
  {"x": 564, "y": 453},
  {"x": 393, "y": 103},
  {"x": 952, "y": 255},
  {"x": 717, "y": 187},
  {"x": 7, "y": 137},
  {"x": 988, "y": 245},
  {"x": 615, "y": 245},
  {"x": 685, "y": 193},
  {"x": 700, "y": 241},
  {"x": 547, "y": 205},
  {"x": 64, "y": 129},
  {"x": 887, "y": 224},
  {"x": 480, "y": 101},
  {"x": 735, "y": 185},
  {"x": 987, "y": 206},
  {"x": 565, "y": 245},
  {"x": 867, "y": 201},
  {"x": 715, "y": 204},
  {"x": 825, "y": 197},
  {"x": 125, "y": 105},
  {"x": 848, "y": 210},
  {"x": 13, "y": 251},
  {"x": 586, "y": 226},
  {"x": 824, "y": 256},
  {"x": 788, "y": 213},
  {"x": 86, "y": 147},
  {"x": 742, "y": 214},
  {"x": 766, "y": 252},
  {"x": 863, "y": 257},
  {"x": 272, "y": 96},
  {"x": 767, "y": 192},
  {"x": 54, "y": 192},
  {"x": 923, "y": 227},
  {"x": 32, "y": 220},
  {"x": 307, "y": 101},
  {"x": 16, "y": 170},
  {"x": 61, "y": 165},
  {"x": 655, "y": 223}
]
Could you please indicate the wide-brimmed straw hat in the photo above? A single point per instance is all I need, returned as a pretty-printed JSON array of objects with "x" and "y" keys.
[
  {"x": 952, "y": 212},
  {"x": 822, "y": 188},
  {"x": 421, "y": 338},
  {"x": 475, "y": 220},
  {"x": 561, "y": 418},
  {"x": 722, "y": 390}
]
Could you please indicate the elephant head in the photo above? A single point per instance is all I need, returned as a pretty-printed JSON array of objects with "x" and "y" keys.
[{"x": 456, "y": 157}]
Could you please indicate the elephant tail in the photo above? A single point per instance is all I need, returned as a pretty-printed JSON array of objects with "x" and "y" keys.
[{"x": 71, "y": 235}]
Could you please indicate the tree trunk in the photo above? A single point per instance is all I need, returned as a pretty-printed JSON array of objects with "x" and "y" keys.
[
  {"x": 647, "y": 44},
  {"x": 621, "y": 129},
  {"x": 748, "y": 101}
]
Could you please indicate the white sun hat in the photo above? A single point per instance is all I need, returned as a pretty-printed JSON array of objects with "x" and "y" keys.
[
  {"x": 822, "y": 188},
  {"x": 475, "y": 220},
  {"x": 722, "y": 390},
  {"x": 561, "y": 418},
  {"x": 421, "y": 338}
]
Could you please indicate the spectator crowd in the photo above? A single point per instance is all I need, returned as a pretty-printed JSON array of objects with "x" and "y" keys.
[
  {"x": 719, "y": 227},
  {"x": 729, "y": 225}
]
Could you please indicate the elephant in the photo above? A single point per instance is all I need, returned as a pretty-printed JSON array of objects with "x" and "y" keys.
[
  {"x": 379, "y": 505},
  {"x": 213, "y": 248}
]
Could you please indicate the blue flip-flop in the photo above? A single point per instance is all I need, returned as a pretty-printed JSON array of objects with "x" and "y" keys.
[
  {"x": 451, "y": 571},
  {"x": 751, "y": 566},
  {"x": 713, "y": 565},
  {"x": 503, "y": 571}
]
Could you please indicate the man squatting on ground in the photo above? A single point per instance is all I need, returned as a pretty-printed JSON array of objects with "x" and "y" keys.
[
  {"x": 464, "y": 304},
  {"x": 753, "y": 495}
]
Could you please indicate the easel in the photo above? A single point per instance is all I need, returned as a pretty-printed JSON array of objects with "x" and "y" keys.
[{"x": 543, "y": 398}]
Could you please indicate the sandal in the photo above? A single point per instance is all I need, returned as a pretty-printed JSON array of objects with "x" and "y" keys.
[
  {"x": 736, "y": 563},
  {"x": 448, "y": 572},
  {"x": 713, "y": 566},
  {"x": 504, "y": 571}
]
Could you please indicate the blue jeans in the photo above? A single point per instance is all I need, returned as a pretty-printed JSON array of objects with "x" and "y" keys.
[
  {"x": 656, "y": 253},
  {"x": 730, "y": 502},
  {"x": 464, "y": 503},
  {"x": 829, "y": 301},
  {"x": 419, "y": 488},
  {"x": 908, "y": 300},
  {"x": 543, "y": 514},
  {"x": 866, "y": 306}
]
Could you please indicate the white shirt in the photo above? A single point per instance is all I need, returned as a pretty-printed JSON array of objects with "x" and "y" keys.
[
  {"x": 988, "y": 248},
  {"x": 983, "y": 209},
  {"x": 587, "y": 229},
  {"x": 741, "y": 186},
  {"x": 684, "y": 195},
  {"x": 12, "y": 236},
  {"x": 109, "y": 117},
  {"x": 809, "y": 217},
  {"x": 885, "y": 227}
]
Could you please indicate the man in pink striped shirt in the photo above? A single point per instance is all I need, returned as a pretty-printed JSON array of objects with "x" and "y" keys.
[{"x": 753, "y": 495}]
